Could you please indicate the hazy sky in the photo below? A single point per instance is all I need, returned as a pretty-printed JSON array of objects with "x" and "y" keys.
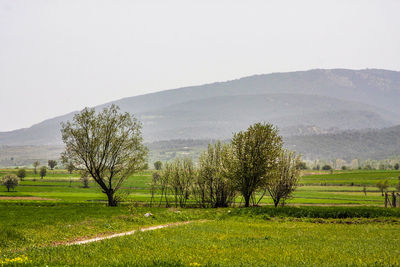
[{"x": 60, "y": 56}]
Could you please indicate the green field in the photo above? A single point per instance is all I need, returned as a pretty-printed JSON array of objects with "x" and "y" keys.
[
  {"x": 36, "y": 234},
  {"x": 334, "y": 224},
  {"x": 323, "y": 188}
]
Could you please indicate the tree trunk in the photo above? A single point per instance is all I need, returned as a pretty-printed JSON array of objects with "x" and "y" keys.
[
  {"x": 111, "y": 200},
  {"x": 276, "y": 202},
  {"x": 247, "y": 201}
]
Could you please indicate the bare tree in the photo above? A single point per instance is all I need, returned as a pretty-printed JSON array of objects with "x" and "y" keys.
[
  {"x": 284, "y": 180},
  {"x": 35, "y": 165},
  {"x": 108, "y": 145},
  {"x": 214, "y": 185}
]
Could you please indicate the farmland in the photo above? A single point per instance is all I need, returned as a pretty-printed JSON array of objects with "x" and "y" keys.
[{"x": 42, "y": 215}]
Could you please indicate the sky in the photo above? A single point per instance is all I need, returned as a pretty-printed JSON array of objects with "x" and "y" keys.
[{"x": 61, "y": 56}]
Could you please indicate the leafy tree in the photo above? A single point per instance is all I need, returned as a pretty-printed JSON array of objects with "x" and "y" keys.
[
  {"x": 70, "y": 167},
  {"x": 21, "y": 173},
  {"x": 326, "y": 168},
  {"x": 255, "y": 152},
  {"x": 302, "y": 166},
  {"x": 35, "y": 165},
  {"x": 382, "y": 186},
  {"x": 344, "y": 168},
  {"x": 158, "y": 165},
  {"x": 43, "y": 171},
  {"x": 108, "y": 145},
  {"x": 285, "y": 178},
  {"x": 396, "y": 166},
  {"x": 214, "y": 185},
  {"x": 52, "y": 164},
  {"x": 10, "y": 181}
]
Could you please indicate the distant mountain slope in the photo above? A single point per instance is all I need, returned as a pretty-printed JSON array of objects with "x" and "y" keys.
[
  {"x": 362, "y": 144},
  {"x": 316, "y": 99}
]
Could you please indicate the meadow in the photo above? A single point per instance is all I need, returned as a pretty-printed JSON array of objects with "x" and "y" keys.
[{"x": 326, "y": 223}]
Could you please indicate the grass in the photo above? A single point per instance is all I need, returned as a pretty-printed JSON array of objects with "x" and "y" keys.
[
  {"x": 232, "y": 236},
  {"x": 323, "y": 188}
]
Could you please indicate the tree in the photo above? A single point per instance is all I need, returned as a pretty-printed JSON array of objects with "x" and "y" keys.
[
  {"x": 158, "y": 165},
  {"x": 326, "y": 168},
  {"x": 382, "y": 186},
  {"x": 43, "y": 172},
  {"x": 302, "y": 166},
  {"x": 10, "y": 181},
  {"x": 396, "y": 166},
  {"x": 214, "y": 185},
  {"x": 108, "y": 145},
  {"x": 255, "y": 152},
  {"x": 85, "y": 179},
  {"x": 285, "y": 178},
  {"x": 35, "y": 165},
  {"x": 70, "y": 167},
  {"x": 21, "y": 173},
  {"x": 52, "y": 164}
]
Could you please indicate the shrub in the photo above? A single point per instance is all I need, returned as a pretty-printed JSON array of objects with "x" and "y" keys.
[
  {"x": 21, "y": 173},
  {"x": 10, "y": 181},
  {"x": 326, "y": 167}
]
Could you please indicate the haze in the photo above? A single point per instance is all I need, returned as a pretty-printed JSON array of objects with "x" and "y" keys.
[{"x": 60, "y": 56}]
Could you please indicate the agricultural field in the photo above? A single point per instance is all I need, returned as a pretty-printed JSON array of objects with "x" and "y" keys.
[
  {"x": 326, "y": 223},
  {"x": 322, "y": 188}
]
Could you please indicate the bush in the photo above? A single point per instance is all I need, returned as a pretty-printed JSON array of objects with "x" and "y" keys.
[
  {"x": 10, "y": 181},
  {"x": 326, "y": 167},
  {"x": 21, "y": 173}
]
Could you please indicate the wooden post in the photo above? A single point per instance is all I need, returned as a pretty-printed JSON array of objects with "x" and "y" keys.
[{"x": 394, "y": 202}]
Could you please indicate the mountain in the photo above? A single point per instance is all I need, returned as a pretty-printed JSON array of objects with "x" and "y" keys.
[
  {"x": 362, "y": 144},
  {"x": 303, "y": 102}
]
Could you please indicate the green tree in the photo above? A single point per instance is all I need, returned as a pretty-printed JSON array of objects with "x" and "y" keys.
[
  {"x": 396, "y": 166},
  {"x": 70, "y": 167},
  {"x": 52, "y": 164},
  {"x": 43, "y": 171},
  {"x": 255, "y": 152},
  {"x": 21, "y": 173},
  {"x": 326, "y": 168},
  {"x": 158, "y": 165},
  {"x": 35, "y": 165},
  {"x": 382, "y": 186},
  {"x": 10, "y": 181},
  {"x": 108, "y": 145},
  {"x": 285, "y": 177}
]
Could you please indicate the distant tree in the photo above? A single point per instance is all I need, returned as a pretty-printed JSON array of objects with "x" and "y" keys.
[
  {"x": 35, "y": 165},
  {"x": 85, "y": 179},
  {"x": 255, "y": 152},
  {"x": 10, "y": 181},
  {"x": 396, "y": 166},
  {"x": 284, "y": 181},
  {"x": 43, "y": 171},
  {"x": 344, "y": 168},
  {"x": 326, "y": 167},
  {"x": 70, "y": 167},
  {"x": 302, "y": 166},
  {"x": 21, "y": 173},
  {"x": 108, "y": 145},
  {"x": 365, "y": 190},
  {"x": 52, "y": 164},
  {"x": 382, "y": 186},
  {"x": 158, "y": 165}
]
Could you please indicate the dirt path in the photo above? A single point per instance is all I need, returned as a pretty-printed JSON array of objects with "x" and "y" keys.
[{"x": 150, "y": 228}]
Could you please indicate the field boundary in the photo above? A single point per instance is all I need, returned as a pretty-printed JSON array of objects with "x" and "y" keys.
[{"x": 144, "y": 229}]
